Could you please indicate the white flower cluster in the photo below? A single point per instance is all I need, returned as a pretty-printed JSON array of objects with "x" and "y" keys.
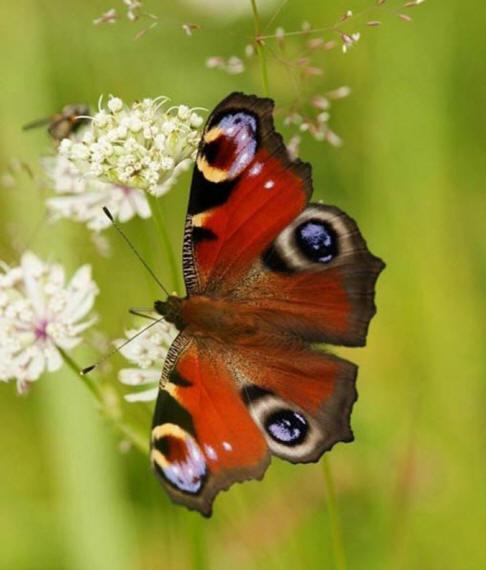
[
  {"x": 141, "y": 146},
  {"x": 82, "y": 198},
  {"x": 147, "y": 352},
  {"x": 39, "y": 313}
]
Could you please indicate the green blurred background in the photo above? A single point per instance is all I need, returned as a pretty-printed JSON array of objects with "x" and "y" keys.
[{"x": 411, "y": 488}]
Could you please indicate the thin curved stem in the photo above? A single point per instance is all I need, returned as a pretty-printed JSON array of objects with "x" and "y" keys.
[
  {"x": 135, "y": 438},
  {"x": 336, "y": 530},
  {"x": 158, "y": 216},
  {"x": 260, "y": 48}
]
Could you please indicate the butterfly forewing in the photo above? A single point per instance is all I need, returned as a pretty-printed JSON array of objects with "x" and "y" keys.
[{"x": 244, "y": 191}]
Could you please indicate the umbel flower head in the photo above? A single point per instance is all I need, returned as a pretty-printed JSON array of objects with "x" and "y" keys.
[
  {"x": 82, "y": 198},
  {"x": 141, "y": 146},
  {"x": 40, "y": 313},
  {"x": 147, "y": 351}
]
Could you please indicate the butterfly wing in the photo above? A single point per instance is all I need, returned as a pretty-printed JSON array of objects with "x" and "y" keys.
[
  {"x": 303, "y": 270},
  {"x": 203, "y": 438},
  {"x": 250, "y": 234},
  {"x": 316, "y": 279},
  {"x": 301, "y": 399},
  {"x": 244, "y": 191}
]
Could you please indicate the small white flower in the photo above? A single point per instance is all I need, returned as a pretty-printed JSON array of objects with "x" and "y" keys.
[
  {"x": 147, "y": 352},
  {"x": 280, "y": 34},
  {"x": 233, "y": 65},
  {"x": 184, "y": 112},
  {"x": 115, "y": 104},
  {"x": 41, "y": 313},
  {"x": 349, "y": 40},
  {"x": 140, "y": 146},
  {"x": 109, "y": 17},
  {"x": 82, "y": 198}
]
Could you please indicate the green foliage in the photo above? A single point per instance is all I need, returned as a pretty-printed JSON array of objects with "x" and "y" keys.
[{"x": 410, "y": 489}]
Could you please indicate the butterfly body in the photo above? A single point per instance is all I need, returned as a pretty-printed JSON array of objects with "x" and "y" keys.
[
  {"x": 226, "y": 321},
  {"x": 268, "y": 275}
]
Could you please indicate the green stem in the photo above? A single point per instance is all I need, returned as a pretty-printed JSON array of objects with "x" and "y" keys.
[
  {"x": 135, "y": 439},
  {"x": 199, "y": 547},
  {"x": 336, "y": 531},
  {"x": 260, "y": 49},
  {"x": 158, "y": 215},
  {"x": 87, "y": 381}
]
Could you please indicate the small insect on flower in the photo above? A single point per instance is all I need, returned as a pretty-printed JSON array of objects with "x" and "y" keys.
[
  {"x": 138, "y": 146},
  {"x": 41, "y": 314},
  {"x": 146, "y": 352},
  {"x": 81, "y": 198},
  {"x": 65, "y": 123}
]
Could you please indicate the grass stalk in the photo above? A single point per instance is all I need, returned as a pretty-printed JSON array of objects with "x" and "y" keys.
[
  {"x": 158, "y": 216},
  {"x": 334, "y": 520},
  {"x": 127, "y": 431},
  {"x": 260, "y": 48}
]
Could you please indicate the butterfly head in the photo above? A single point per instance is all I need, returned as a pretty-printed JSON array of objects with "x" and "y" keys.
[{"x": 171, "y": 310}]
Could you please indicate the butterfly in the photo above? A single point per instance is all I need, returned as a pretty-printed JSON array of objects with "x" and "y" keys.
[
  {"x": 268, "y": 276},
  {"x": 63, "y": 124}
]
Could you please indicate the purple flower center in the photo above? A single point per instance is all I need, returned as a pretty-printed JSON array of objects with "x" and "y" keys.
[
  {"x": 41, "y": 330},
  {"x": 126, "y": 190}
]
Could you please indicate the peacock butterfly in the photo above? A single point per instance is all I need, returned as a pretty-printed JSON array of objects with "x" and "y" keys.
[{"x": 268, "y": 275}]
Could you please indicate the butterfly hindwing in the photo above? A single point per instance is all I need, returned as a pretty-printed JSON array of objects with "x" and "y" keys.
[
  {"x": 300, "y": 398},
  {"x": 242, "y": 174},
  {"x": 221, "y": 413},
  {"x": 317, "y": 279}
]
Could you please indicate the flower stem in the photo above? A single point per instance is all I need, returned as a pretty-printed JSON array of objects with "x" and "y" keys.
[
  {"x": 260, "y": 48},
  {"x": 135, "y": 438},
  {"x": 158, "y": 215},
  {"x": 336, "y": 531}
]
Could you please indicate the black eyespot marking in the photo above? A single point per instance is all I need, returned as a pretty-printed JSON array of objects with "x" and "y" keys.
[
  {"x": 202, "y": 234},
  {"x": 182, "y": 463},
  {"x": 317, "y": 240},
  {"x": 287, "y": 427},
  {"x": 273, "y": 260},
  {"x": 162, "y": 445},
  {"x": 252, "y": 393},
  {"x": 221, "y": 152}
]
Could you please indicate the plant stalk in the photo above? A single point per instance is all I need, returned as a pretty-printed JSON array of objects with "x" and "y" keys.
[
  {"x": 158, "y": 216},
  {"x": 336, "y": 530},
  {"x": 135, "y": 439},
  {"x": 260, "y": 48}
]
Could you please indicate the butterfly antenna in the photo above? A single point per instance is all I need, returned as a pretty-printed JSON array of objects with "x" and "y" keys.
[
  {"x": 132, "y": 247},
  {"x": 89, "y": 369},
  {"x": 142, "y": 313}
]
